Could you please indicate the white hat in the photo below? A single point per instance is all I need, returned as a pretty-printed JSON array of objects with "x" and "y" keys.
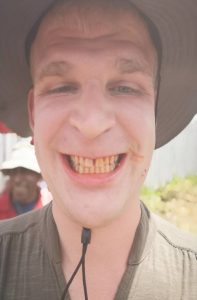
[{"x": 22, "y": 156}]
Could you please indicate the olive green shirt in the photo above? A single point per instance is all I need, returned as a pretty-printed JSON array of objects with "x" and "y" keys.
[{"x": 162, "y": 263}]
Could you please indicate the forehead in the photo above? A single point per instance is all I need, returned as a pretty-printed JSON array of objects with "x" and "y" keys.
[
  {"x": 90, "y": 19},
  {"x": 78, "y": 25}
]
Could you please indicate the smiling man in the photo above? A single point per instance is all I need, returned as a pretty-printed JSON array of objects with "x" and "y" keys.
[
  {"x": 102, "y": 132},
  {"x": 95, "y": 75}
]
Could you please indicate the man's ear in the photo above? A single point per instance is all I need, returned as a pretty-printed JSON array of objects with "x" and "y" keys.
[{"x": 30, "y": 106}]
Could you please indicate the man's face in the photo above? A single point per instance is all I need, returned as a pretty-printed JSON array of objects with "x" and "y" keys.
[
  {"x": 23, "y": 185},
  {"x": 92, "y": 113}
]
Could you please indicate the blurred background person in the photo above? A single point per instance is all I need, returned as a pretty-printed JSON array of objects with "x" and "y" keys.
[{"x": 23, "y": 187}]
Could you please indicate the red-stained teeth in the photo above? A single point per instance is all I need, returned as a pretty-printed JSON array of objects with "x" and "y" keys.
[{"x": 84, "y": 165}]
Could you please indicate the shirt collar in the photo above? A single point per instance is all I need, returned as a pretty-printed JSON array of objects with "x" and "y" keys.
[
  {"x": 144, "y": 237},
  {"x": 142, "y": 243}
]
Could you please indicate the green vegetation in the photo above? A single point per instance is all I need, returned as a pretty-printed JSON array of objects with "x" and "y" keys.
[{"x": 176, "y": 202}]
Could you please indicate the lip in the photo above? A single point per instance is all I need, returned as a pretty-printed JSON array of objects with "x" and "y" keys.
[{"x": 92, "y": 180}]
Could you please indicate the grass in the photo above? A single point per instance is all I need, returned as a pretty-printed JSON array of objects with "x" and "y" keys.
[{"x": 176, "y": 202}]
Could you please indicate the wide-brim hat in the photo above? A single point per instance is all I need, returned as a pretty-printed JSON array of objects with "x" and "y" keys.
[
  {"x": 21, "y": 156},
  {"x": 176, "y": 21}
]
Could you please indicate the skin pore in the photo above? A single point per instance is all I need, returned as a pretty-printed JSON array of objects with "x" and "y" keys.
[{"x": 93, "y": 97}]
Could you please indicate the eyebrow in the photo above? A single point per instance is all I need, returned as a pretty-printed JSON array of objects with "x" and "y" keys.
[
  {"x": 58, "y": 68},
  {"x": 130, "y": 65},
  {"x": 124, "y": 65}
]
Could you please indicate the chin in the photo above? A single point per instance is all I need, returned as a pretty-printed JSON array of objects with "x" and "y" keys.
[
  {"x": 93, "y": 214},
  {"x": 94, "y": 220}
]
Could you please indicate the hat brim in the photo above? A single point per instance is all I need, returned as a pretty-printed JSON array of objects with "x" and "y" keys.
[
  {"x": 10, "y": 165},
  {"x": 177, "y": 24}
]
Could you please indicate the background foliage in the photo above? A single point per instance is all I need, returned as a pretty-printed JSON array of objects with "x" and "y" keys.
[{"x": 176, "y": 202}]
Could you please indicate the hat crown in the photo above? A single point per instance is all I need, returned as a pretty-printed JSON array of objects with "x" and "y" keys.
[{"x": 22, "y": 156}]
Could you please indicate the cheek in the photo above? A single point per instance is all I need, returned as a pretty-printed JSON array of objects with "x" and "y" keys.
[
  {"x": 50, "y": 115},
  {"x": 139, "y": 124}
]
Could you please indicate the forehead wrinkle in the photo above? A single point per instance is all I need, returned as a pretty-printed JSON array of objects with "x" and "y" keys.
[
  {"x": 58, "y": 68},
  {"x": 76, "y": 20},
  {"x": 86, "y": 17}
]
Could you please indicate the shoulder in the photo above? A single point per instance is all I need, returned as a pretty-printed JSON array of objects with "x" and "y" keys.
[
  {"x": 174, "y": 237},
  {"x": 169, "y": 269},
  {"x": 175, "y": 254},
  {"x": 22, "y": 223}
]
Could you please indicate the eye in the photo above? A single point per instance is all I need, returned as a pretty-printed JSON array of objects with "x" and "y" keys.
[
  {"x": 123, "y": 89},
  {"x": 64, "y": 89}
]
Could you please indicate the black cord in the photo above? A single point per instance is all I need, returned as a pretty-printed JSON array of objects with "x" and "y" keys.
[
  {"x": 85, "y": 240},
  {"x": 84, "y": 279},
  {"x": 71, "y": 279}
]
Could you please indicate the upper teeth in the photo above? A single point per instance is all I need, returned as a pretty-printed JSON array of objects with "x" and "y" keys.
[{"x": 98, "y": 165}]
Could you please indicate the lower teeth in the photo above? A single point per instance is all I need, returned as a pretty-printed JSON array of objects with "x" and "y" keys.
[{"x": 93, "y": 170}]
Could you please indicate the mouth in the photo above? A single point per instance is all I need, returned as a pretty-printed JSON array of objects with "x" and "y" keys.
[{"x": 101, "y": 165}]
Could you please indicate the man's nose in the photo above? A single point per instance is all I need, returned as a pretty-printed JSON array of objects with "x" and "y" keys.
[{"x": 94, "y": 115}]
